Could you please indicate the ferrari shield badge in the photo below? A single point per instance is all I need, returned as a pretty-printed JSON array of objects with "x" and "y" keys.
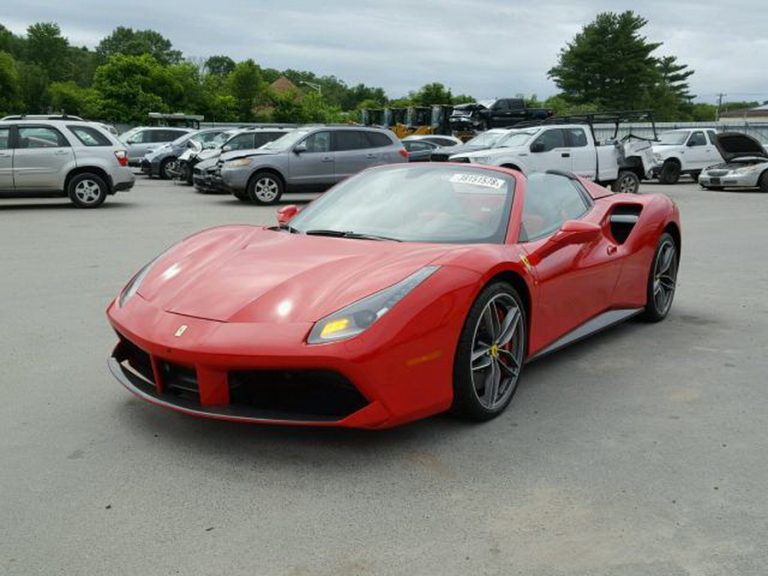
[{"x": 180, "y": 331}]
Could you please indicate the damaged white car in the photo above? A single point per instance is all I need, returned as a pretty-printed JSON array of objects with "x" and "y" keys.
[{"x": 745, "y": 166}]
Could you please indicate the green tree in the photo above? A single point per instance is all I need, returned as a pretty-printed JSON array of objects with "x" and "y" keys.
[
  {"x": 247, "y": 87},
  {"x": 219, "y": 65},
  {"x": 33, "y": 82},
  {"x": 47, "y": 48},
  {"x": 130, "y": 87},
  {"x": 608, "y": 64},
  {"x": 129, "y": 42},
  {"x": 433, "y": 93},
  {"x": 10, "y": 88},
  {"x": 70, "y": 98},
  {"x": 12, "y": 44}
]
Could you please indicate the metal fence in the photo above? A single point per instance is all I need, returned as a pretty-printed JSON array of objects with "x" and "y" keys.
[{"x": 758, "y": 130}]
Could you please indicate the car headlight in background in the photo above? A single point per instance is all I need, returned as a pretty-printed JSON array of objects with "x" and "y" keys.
[
  {"x": 238, "y": 163},
  {"x": 360, "y": 315}
]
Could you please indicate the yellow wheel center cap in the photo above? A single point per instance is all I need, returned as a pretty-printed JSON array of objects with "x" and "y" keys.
[{"x": 494, "y": 351}]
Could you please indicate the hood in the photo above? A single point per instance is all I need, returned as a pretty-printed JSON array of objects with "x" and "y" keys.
[
  {"x": 734, "y": 145},
  {"x": 208, "y": 153},
  {"x": 247, "y": 274},
  {"x": 247, "y": 153}
]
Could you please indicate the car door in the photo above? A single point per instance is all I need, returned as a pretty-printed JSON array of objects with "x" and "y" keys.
[
  {"x": 698, "y": 151},
  {"x": 582, "y": 155},
  {"x": 352, "y": 153},
  {"x": 550, "y": 151},
  {"x": 311, "y": 162},
  {"x": 574, "y": 282},
  {"x": 41, "y": 158},
  {"x": 6, "y": 159}
]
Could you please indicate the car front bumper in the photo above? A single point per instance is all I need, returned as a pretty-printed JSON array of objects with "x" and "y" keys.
[
  {"x": 266, "y": 373},
  {"x": 729, "y": 180}
]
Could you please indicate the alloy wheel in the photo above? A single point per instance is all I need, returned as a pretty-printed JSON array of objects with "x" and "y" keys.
[{"x": 665, "y": 277}]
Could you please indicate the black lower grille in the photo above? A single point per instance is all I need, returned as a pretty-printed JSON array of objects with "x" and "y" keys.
[
  {"x": 308, "y": 395},
  {"x": 179, "y": 380},
  {"x": 136, "y": 359}
]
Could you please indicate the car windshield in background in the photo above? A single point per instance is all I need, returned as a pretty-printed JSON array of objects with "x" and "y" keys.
[
  {"x": 219, "y": 141},
  {"x": 516, "y": 138},
  {"x": 673, "y": 138},
  {"x": 443, "y": 204},
  {"x": 285, "y": 142},
  {"x": 486, "y": 138}
]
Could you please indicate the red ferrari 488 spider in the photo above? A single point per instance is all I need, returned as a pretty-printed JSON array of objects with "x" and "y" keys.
[{"x": 402, "y": 292}]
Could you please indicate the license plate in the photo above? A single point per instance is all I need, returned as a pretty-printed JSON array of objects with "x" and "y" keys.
[{"x": 714, "y": 180}]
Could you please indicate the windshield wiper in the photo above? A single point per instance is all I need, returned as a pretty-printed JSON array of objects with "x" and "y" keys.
[{"x": 349, "y": 234}]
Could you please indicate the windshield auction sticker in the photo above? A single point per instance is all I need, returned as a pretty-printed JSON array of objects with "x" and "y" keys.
[{"x": 478, "y": 180}]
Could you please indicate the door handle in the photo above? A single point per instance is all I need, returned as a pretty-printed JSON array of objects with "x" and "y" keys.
[
  {"x": 60, "y": 152},
  {"x": 566, "y": 154},
  {"x": 371, "y": 156},
  {"x": 612, "y": 249},
  {"x": 5, "y": 154},
  {"x": 327, "y": 159}
]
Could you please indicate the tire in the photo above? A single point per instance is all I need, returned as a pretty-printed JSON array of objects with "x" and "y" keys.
[
  {"x": 87, "y": 190},
  {"x": 164, "y": 165},
  {"x": 670, "y": 172},
  {"x": 484, "y": 387},
  {"x": 695, "y": 175},
  {"x": 265, "y": 188},
  {"x": 662, "y": 279},
  {"x": 626, "y": 183},
  {"x": 763, "y": 182}
]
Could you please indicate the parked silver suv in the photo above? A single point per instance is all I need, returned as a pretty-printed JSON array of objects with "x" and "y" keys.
[
  {"x": 311, "y": 158},
  {"x": 142, "y": 139},
  {"x": 62, "y": 158}
]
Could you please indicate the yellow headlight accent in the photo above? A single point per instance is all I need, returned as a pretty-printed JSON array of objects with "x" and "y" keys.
[{"x": 333, "y": 327}]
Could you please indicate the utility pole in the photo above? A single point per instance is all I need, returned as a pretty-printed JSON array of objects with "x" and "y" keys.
[{"x": 719, "y": 105}]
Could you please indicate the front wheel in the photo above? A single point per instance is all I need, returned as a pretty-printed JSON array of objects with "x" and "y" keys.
[
  {"x": 670, "y": 172},
  {"x": 87, "y": 190},
  {"x": 662, "y": 279},
  {"x": 490, "y": 354},
  {"x": 168, "y": 168},
  {"x": 627, "y": 183},
  {"x": 763, "y": 182},
  {"x": 265, "y": 188}
]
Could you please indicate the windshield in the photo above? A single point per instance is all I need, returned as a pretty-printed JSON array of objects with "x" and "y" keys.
[
  {"x": 444, "y": 204},
  {"x": 515, "y": 138},
  {"x": 285, "y": 142},
  {"x": 219, "y": 141},
  {"x": 487, "y": 139},
  {"x": 672, "y": 138}
]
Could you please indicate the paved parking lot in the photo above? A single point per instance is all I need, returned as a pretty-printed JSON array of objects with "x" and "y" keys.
[{"x": 639, "y": 452}]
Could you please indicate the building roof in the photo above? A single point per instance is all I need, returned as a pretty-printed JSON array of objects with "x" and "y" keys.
[{"x": 757, "y": 112}]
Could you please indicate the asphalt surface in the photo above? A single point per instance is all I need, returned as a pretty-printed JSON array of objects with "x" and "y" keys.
[{"x": 639, "y": 452}]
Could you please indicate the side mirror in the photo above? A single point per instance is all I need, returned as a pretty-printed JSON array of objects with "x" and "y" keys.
[
  {"x": 570, "y": 233},
  {"x": 285, "y": 213},
  {"x": 300, "y": 148},
  {"x": 538, "y": 147}
]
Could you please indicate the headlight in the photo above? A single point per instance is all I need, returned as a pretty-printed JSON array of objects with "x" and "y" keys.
[
  {"x": 480, "y": 160},
  {"x": 239, "y": 163},
  {"x": 133, "y": 286},
  {"x": 359, "y": 316}
]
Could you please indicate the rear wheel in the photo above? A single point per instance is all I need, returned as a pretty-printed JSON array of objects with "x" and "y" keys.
[
  {"x": 87, "y": 190},
  {"x": 265, "y": 188},
  {"x": 763, "y": 182},
  {"x": 626, "y": 183},
  {"x": 490, "y": 354},
  {"x": 670, "y": 172},
  {"x": 662, "y": 279}
]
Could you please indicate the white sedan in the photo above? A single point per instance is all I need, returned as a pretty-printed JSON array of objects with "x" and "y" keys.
[{"x": 745, "y": 166}]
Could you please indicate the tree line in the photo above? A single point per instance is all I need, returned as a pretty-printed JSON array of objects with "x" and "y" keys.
[{"x": 609, "y": 65}]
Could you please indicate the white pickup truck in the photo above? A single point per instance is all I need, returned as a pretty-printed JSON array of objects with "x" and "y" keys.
[
  {"x": 684, "y": 151},
  {"x": 571, "y": 148}
]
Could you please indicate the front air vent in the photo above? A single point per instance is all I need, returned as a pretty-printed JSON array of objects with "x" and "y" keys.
[{"x": 623, "y": 219}]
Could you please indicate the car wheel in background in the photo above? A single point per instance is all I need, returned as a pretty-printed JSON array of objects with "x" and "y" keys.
[
  {"x": 87, "y": 190},
  {"x": 626, "y": 183},
  {"x": 695, "y": 175},
  {"x": 490, "y": 353},
  {"x": 165, "y": 168},
  {"x": 265, "y": 188},
  {"x": 763, "y": 182},
  {"x": 670, "y": 172},
  {"x": 662, "y": 279}
]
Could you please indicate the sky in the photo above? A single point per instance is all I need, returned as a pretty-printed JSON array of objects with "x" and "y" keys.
[{"x": 484, "y": 48}]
